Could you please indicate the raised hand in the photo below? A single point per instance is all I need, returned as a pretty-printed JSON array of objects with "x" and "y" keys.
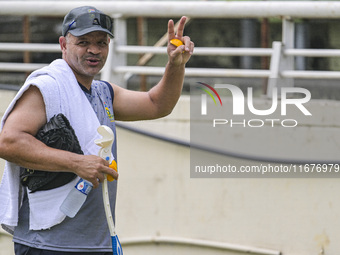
[{"x": 179, "y": 55}]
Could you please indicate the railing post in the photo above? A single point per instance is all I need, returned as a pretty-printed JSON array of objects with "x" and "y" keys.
[
  {"x": 279, "y": 61},
  {"x": 116, "y": 58},
  {"x": 288, "y": 40},
  {"x": 274, "y": 68},
  {"x": 106, "y": 73}
]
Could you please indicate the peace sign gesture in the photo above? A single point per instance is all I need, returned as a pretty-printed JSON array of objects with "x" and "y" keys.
[{"x": 181, "y": 54}]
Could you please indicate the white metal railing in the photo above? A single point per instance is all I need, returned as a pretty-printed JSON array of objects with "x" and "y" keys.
[
  {"x": 196, "y": 9},
  {"x": 202, "y": 51},
  {"x": 282, "y": 53},
  {"x": 32, "y": 47}
]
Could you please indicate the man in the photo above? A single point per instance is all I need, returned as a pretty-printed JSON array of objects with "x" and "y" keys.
[{"x": 84, "y": 46}]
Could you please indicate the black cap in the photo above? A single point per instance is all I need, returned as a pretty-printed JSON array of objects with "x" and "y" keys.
[{"x": 86, "y": 19}]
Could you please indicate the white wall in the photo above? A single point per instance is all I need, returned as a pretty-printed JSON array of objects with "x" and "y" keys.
[{"x": 157, "y": 197}]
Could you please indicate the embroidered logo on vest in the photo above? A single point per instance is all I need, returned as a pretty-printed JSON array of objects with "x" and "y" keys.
[{"x": 108, "y": 112}]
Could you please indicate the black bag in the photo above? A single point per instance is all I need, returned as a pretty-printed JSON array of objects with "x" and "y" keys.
[{"x": 57, "y": 133}]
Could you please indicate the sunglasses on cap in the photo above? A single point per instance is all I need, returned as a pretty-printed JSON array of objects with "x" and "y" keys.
[{"x": 88, "y": 20}]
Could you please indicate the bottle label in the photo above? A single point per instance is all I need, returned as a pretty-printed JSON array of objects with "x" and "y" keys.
[{"x": 84, "y": 186}]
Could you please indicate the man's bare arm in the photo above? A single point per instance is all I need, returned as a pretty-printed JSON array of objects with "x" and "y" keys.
[
  {"x": 18, "y": 144},
  {"x": 161, "y": 99}
]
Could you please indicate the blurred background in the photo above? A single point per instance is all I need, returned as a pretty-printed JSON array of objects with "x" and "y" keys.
[{"x": 160, "y": 208}]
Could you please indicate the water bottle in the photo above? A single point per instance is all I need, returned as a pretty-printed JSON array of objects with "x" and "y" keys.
[{"x": 76, "y": 198}]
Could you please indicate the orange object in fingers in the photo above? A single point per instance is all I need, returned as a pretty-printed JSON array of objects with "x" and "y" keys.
[
  {"x": 176, "y": 42},
  {"x": 113, "y": 165}
]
